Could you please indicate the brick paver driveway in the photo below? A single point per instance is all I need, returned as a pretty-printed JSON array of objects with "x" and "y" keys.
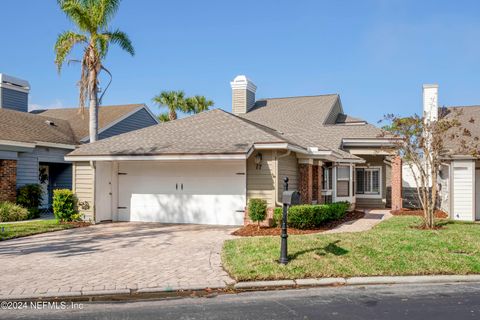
[{"x": 114, "y": 256}]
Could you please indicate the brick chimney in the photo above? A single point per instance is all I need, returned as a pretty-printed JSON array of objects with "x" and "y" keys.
[
  {"x": 430, "y": 102},
  {"x": 243, "y": 94}
]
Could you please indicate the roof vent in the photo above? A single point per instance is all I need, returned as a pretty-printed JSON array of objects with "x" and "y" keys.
[{"x": 50, "y": 123}]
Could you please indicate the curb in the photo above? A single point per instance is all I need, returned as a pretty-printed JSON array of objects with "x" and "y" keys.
[{"x": 199, "y": 290}]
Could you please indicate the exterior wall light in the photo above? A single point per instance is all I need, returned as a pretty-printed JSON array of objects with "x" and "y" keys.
[{"x": 258, "y": 161}]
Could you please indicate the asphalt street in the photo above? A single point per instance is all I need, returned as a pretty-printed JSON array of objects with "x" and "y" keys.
[{"x": 439, "y": 301}]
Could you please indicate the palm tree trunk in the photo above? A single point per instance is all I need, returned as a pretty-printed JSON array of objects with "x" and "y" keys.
[
  {"x": 93, "y": 105},
  {"x": 172, "y": 115}
]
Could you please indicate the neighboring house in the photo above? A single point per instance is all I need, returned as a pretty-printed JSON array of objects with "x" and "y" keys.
[
  {"x": 459, "y": 179},
  {"x": 33, "y": 145},
  {"x": 206, "y": 167}
]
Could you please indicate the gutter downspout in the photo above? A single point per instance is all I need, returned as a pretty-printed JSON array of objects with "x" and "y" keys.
[{"x": 277, "y": 203}]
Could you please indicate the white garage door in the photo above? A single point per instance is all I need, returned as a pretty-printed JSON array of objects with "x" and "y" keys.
[
  {"x": 463, "y": 190},
  {"x": 203, "y": 192}
]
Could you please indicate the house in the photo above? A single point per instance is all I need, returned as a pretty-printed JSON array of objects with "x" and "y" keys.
[
  {"x": 206, "y": 167},
  {"x": 33, "y": 145},
  {"x": 459, "y": 179}
]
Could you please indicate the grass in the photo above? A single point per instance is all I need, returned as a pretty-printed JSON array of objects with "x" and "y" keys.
[
  {"x": 391, "y": 248},
  {"x": 22, "y": 229}
]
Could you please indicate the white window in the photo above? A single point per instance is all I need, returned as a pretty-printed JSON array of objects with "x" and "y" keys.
[
  {"x": 327, "y": 178},
  {"x": 343, "y": 181},
  {"x": 368, "y": 180}
]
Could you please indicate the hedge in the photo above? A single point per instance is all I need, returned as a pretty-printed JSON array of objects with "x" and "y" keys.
[
  {"x": 64, "y": 205},
  {"x": 12, "y": 212},
  {"x": 311, "y": 216},
  {"x": 30, "y": 196}
]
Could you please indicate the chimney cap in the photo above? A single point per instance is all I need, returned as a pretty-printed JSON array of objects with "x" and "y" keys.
[
  {"x": 14, "y": 83},
  {"x": 242, "y": 82}
]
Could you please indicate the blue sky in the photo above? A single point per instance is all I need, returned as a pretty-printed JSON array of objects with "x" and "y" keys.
[{"x": 375, "y": 54}]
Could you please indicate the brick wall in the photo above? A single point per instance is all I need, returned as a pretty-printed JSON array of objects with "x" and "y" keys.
[
  {"x": 396, "y": 183},
  {"x": 8, "y": 180},
  {"x": 315, "y": 183},
  {"x": 320, "y": 184},
  {"x": 305, "y": 183}
]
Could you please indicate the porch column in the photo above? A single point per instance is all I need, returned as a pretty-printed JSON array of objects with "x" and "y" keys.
[
  {"x": 320, "y": 182},
  {"x": 305, "y": 172},
  {"x": 315, "y": 182},
  {"x": 396, "y": 178},
  {"x": 8, "y": 180}
]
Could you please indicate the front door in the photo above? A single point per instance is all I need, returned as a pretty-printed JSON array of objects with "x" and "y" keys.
[{"x": 44, "y": 179}]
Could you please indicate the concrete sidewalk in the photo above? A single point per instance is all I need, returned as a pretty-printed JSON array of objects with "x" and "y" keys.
[{"x": 371, "y": 219}]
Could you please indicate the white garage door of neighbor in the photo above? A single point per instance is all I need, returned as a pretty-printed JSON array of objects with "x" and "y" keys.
[
  {"x": 463, "y": 190},
  {"x": 203, "y": 192}
]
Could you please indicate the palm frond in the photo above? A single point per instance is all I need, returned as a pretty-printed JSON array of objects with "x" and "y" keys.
[
  {"x": 121, "y": 39},
  {"x": 105, "y": 10},
  {"x": 173, "y": 100},
  {"x": 163, "y": 117},
  {"x": 79, "y": 13},
  {"x": 64, "y": 44},
  {"x": 197, "y": 104},
  {"x": 103, "y": 44}
]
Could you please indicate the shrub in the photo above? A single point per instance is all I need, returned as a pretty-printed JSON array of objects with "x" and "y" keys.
[
  {"x": 311, "y": 216},
  {"x": 257, "y": 210},
  {"x": 277, "y": 217},
  {"x": 65, "y": 205},
  {"x": 12, "y": 212},
  {"x": 30, "y": 196}
]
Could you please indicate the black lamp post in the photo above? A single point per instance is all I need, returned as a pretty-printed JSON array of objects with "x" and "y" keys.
[{"x": 284, "y": 236}]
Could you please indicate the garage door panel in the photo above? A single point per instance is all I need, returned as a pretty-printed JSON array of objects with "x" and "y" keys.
[{"x": 202, "y": 192}]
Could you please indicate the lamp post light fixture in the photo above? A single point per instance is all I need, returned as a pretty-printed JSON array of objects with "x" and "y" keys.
[{"x": 258, "y": 161}]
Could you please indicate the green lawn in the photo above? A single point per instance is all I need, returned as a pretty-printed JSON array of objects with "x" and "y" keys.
[
  {"x": 392, "y": 248},
  {"x": 22, "y": 229}
]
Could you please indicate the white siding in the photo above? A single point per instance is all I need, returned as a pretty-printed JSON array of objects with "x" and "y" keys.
[
  {"x": 261, "y": 181},
  {"x": 463, "y": 189},
  {"x": 288, "y": 167}
]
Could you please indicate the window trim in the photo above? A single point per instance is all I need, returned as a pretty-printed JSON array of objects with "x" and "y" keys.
[
  {"x": 348, "y": 180},
  {"x": 380, "y": 182}
]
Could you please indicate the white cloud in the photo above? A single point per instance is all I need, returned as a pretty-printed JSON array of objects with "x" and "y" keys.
[{"x": 57, "y": 104}]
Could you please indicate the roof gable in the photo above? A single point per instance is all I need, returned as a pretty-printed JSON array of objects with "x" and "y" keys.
[
  {"x": 311, "y": 121},
  {"x": 107, "y": 115}
]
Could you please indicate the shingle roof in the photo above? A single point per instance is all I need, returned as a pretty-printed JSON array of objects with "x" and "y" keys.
[
  {"x": 303, "y": 120},
  {"x": 79, "y": 124},
  {"x": 469, "y": 118},
  {"x": 210, "y": 132},
  {"x": 26, "y": 127}
]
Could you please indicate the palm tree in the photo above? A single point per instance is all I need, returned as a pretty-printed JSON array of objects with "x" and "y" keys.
[
  {"x": 92, "y": 18},
  {"x": 197, "y": 104},
  {"x": 173, "y": 100},
  {"x": 163, "y": 117}
]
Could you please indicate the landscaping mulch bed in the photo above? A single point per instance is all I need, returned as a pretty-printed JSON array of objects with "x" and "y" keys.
[
  {"x": 439, "y": 214},
  {"x": 77, "y": 224},
  {"x": 252, "y": 230}
]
